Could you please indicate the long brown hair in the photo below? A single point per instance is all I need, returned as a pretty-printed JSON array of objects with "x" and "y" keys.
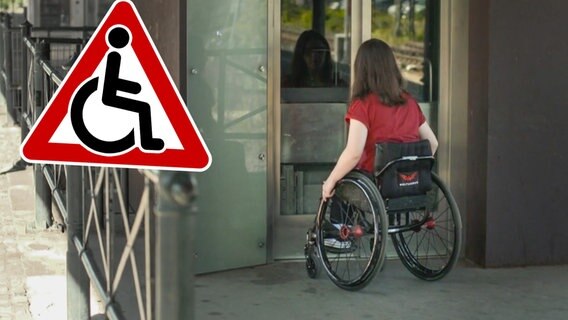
[{"x": 376, "y": 72}]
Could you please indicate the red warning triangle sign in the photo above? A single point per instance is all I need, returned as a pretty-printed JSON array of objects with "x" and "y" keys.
[{"x": 118, "y": 106}]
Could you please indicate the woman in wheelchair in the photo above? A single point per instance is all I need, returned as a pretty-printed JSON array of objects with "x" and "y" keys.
[
  {"x": 380, "y": 111},
  {"x": 358, "y": 211}
]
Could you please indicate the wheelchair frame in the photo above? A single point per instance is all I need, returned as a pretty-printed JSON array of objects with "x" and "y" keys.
[{"x": 400, "y": 218}]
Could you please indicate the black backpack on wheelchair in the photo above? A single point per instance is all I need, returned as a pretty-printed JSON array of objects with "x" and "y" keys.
[{"x": 396, "y": 175}]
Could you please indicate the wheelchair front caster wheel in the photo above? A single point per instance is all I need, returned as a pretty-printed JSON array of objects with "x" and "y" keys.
[
  {"x": 312, "y": 268},
  {"x": 311, "y": 262}
]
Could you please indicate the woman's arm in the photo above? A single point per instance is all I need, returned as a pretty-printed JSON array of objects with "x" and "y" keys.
[
  {"x": 426, "y": 133},
  {"x": 349, "y": 157}
]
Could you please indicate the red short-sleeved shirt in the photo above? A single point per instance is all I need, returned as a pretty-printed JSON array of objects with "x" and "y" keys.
[{"x": 385, "y": 124}]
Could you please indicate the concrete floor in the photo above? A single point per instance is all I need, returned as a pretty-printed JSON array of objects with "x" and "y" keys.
[{"x": 283, "y": 291}]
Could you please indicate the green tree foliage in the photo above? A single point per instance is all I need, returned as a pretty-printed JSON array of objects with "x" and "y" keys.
[
  {"x": 300, "y": 17},
  {"x": 383, "y": 28},
  {"x": 292, "y": 12},
  {"x": 295, "y": 16},
  {"x": 6, "y": 5},
  {"x": 335, "y": 20}
]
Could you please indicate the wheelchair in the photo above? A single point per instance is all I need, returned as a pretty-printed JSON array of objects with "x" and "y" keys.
[{"x": 350, "y": 232}]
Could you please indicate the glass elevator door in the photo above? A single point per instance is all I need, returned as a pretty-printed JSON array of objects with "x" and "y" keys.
[
  {"x": 227, "y": 96},
  {"x": 315, "y": 55}
]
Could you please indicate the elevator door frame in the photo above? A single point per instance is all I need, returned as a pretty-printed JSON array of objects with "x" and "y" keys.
[{"x": 298, "y": 225}]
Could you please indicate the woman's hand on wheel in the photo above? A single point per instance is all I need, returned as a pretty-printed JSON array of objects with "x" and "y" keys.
[{"x": 327, "y": 189}]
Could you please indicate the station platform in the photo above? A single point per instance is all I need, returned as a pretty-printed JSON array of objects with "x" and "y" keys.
[{"x": 284, "y": 291}]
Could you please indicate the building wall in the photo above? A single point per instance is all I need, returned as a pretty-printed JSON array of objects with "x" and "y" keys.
[
  {"x": 517, "y": 161},
  {"x": 165, "y": 21},
  {"x": 453, "y": 101},
  {"x": 476, "y": 209}
]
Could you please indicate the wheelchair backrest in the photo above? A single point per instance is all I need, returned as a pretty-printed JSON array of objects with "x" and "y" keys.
[{"x": 403, "y": 169}]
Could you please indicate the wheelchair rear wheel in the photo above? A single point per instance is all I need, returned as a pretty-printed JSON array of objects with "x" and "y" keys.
[
  {"x": 429, "y": 239},
  {"x": 351, "y": 232}
]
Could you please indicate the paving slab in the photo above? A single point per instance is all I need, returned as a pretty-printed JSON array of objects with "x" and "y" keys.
[
  {"x": 25, "y": 253},
  {"x": 32, "y": 261}
]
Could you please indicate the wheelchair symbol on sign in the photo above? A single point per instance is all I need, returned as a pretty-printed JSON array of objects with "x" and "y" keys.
[{"x": 117, "y": 38}]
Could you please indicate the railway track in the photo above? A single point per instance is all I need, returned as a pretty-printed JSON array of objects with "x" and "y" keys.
[{"x": 410, "y": 55}]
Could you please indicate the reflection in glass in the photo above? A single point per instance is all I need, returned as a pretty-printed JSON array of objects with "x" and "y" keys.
[
  {"x": 311, "y": 62},
  {"x": 410, "y": 28},
  {"x": 315, "y": 42},
  {"x": 402, "y": 24},
  {"x": 315, "y": 71}
]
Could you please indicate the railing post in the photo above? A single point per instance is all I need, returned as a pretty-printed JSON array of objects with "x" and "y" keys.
[
  {"x": 175, "y": 217},
  {"x": 26, "y": 28},
  {"x": 8, "y": 68},
  {"x": 43, "y": 217},
  {"x": 78, "y": 285},
  {"x": 2, "y": 52},
  {"x": 41, "y": 54},
  {"x": 42, "y": 200}
]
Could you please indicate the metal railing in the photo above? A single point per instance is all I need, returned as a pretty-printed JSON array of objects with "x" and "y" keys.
[
  {"x": 42, "y": 71},
  {"x": 11, "y": 51},
  {"x": 128, "y": 231},
  {"x": 114, "y": 242}
]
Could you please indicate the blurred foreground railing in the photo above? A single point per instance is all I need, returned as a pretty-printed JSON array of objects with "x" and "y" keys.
[{"x": 128, "y": 231}]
